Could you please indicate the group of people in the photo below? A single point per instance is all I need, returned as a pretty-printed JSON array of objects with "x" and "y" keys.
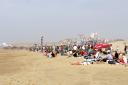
[
  {"x": 105, "y": 55},
  {"x": 90, "y": 54}
]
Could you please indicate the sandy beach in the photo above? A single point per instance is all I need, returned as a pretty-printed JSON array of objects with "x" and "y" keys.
[
  {"x": 63, "y": 42},
  {"x": 27, "y": 68}
]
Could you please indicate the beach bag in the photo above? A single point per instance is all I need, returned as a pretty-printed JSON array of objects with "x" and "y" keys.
[{"x": 111, "y": 62}]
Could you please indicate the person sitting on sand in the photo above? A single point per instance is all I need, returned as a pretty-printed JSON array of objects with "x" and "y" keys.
[
  {"x": 98, "y": 55},
  {"x": 110, "y": 58},
  {"x": 49, "y": 55},
  {"x": 69, "y": 53},
  {"x": 123, "y": 59},
  {"x": 53, "y": 54}
]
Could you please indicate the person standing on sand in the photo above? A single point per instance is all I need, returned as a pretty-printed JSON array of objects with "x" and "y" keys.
[
  {"x": 116, "y": 56},
  {"x": 125, "y": 48},
  {"x": 126, "y": 51},
  {"x": 75, "y": 48},
  {"x": 62, "y": 50}
]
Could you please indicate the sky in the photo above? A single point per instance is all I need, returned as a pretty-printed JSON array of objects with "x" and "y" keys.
[{"x": 28, "y": 20}]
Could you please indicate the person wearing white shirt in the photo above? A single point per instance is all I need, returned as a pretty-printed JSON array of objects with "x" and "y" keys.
[{"x": 75, "y": 48}]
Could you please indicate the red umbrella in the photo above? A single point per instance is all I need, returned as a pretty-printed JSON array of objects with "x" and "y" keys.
[
  {"x": 106, "y": 45},
  {"x": 103, "y": 45}
]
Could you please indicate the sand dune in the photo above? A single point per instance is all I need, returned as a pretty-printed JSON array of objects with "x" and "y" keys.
[{"x": 26, "y": 68}]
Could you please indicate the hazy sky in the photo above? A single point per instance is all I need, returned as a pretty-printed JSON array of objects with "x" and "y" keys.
[{"x": 27, "y": 20}]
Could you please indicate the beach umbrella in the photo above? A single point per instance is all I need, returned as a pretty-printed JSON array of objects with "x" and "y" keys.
[
  {"x": 98, "y": 46},
  {"x": 103, "y": 45},
  {"x": 106, "y": 45}
]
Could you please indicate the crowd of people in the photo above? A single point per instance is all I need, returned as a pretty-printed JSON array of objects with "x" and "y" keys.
[{"x": 89, "y": 53}]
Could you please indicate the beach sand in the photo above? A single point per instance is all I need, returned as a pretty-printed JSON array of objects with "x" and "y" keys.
[{"x": 27, "y": 68}]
